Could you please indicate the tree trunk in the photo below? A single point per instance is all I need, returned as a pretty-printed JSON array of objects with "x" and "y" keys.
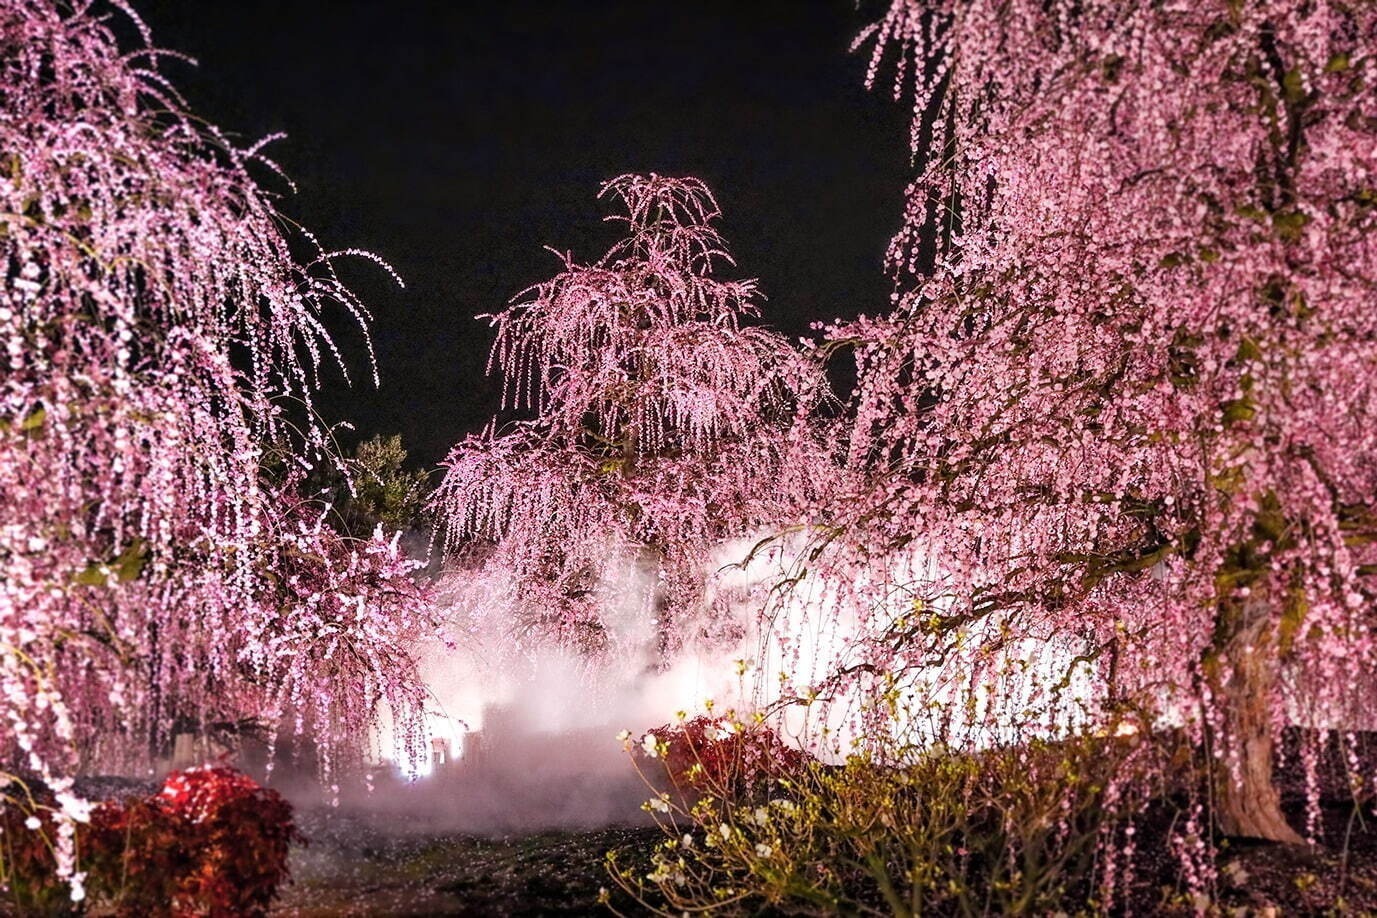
[{"x": 1247, "y": 803}]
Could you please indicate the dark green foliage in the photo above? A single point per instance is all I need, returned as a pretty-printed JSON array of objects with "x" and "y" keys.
[{"x": 384, "y": 491}]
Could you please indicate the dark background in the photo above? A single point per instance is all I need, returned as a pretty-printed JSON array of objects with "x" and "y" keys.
[{"x": 457, "y": 139}]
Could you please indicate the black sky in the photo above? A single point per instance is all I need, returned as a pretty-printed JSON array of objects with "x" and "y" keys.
[{"x": 456, "y": 139}]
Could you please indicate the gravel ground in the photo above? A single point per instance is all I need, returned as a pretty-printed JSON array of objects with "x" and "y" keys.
[{"x": 353, "y": 868}]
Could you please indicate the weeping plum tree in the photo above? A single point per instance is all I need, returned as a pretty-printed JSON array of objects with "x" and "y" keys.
[
  {"x": 1129, "y": 388},
  {"x": 153, "y": 318},
  {"x": 663, "y": 427}
]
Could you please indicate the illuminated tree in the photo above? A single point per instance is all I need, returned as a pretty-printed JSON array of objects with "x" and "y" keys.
[
  {"x": 664, "y": 427},
  {"x": 1130, "y": 388},
  {"x": 153, "y": 321}
]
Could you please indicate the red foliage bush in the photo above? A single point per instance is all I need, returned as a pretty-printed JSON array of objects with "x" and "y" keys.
[
  {"x": 716, "y": 755},
  {"x": 28, "y": 870},
  {"x": 211, "y": 842}
]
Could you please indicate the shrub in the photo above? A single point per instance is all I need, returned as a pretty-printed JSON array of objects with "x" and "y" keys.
[
  {"x": 721, "y": 756},
  {"x": 210, "y": 842},
  {"x": 1015, "y": 830},
  {"x": 29, "y": 879}
]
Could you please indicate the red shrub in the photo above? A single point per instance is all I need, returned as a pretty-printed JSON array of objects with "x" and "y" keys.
[
  {"x": 211, "y": 842},
  {"x": 28, "y": 870},
  {"x": 722, "y": 757}
]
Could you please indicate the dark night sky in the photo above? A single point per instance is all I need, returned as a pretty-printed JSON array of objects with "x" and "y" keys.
[{"x": 455, "y": 140}]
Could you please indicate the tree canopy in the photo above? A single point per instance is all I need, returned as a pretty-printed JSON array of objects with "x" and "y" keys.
[
  {"x": 157, "y": 320},
  {"x": 664, "y": 426},
  {"x": 1127, "y": 391}
]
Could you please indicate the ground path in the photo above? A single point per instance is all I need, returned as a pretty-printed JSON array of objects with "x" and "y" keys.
[{"x": 353, "y": 868}]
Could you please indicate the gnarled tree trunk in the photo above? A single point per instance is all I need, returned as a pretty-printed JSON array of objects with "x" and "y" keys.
[{"x": 1247, "y": 802}]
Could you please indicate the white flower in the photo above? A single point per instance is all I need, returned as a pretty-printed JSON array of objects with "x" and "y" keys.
[
  {"x": 1126, "y": 728},
  {"x": 77, "y": 809},
  {"x": 687, "y": 840},
  {"x": 624, "y": 736},
  {"x": 763, "y": 850},
  {"x": 660, "y": 804},
  {"x": 726, "y": 830},
  {"x": 651, "y": 745},
  {"x": 32, "y": 823}
]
